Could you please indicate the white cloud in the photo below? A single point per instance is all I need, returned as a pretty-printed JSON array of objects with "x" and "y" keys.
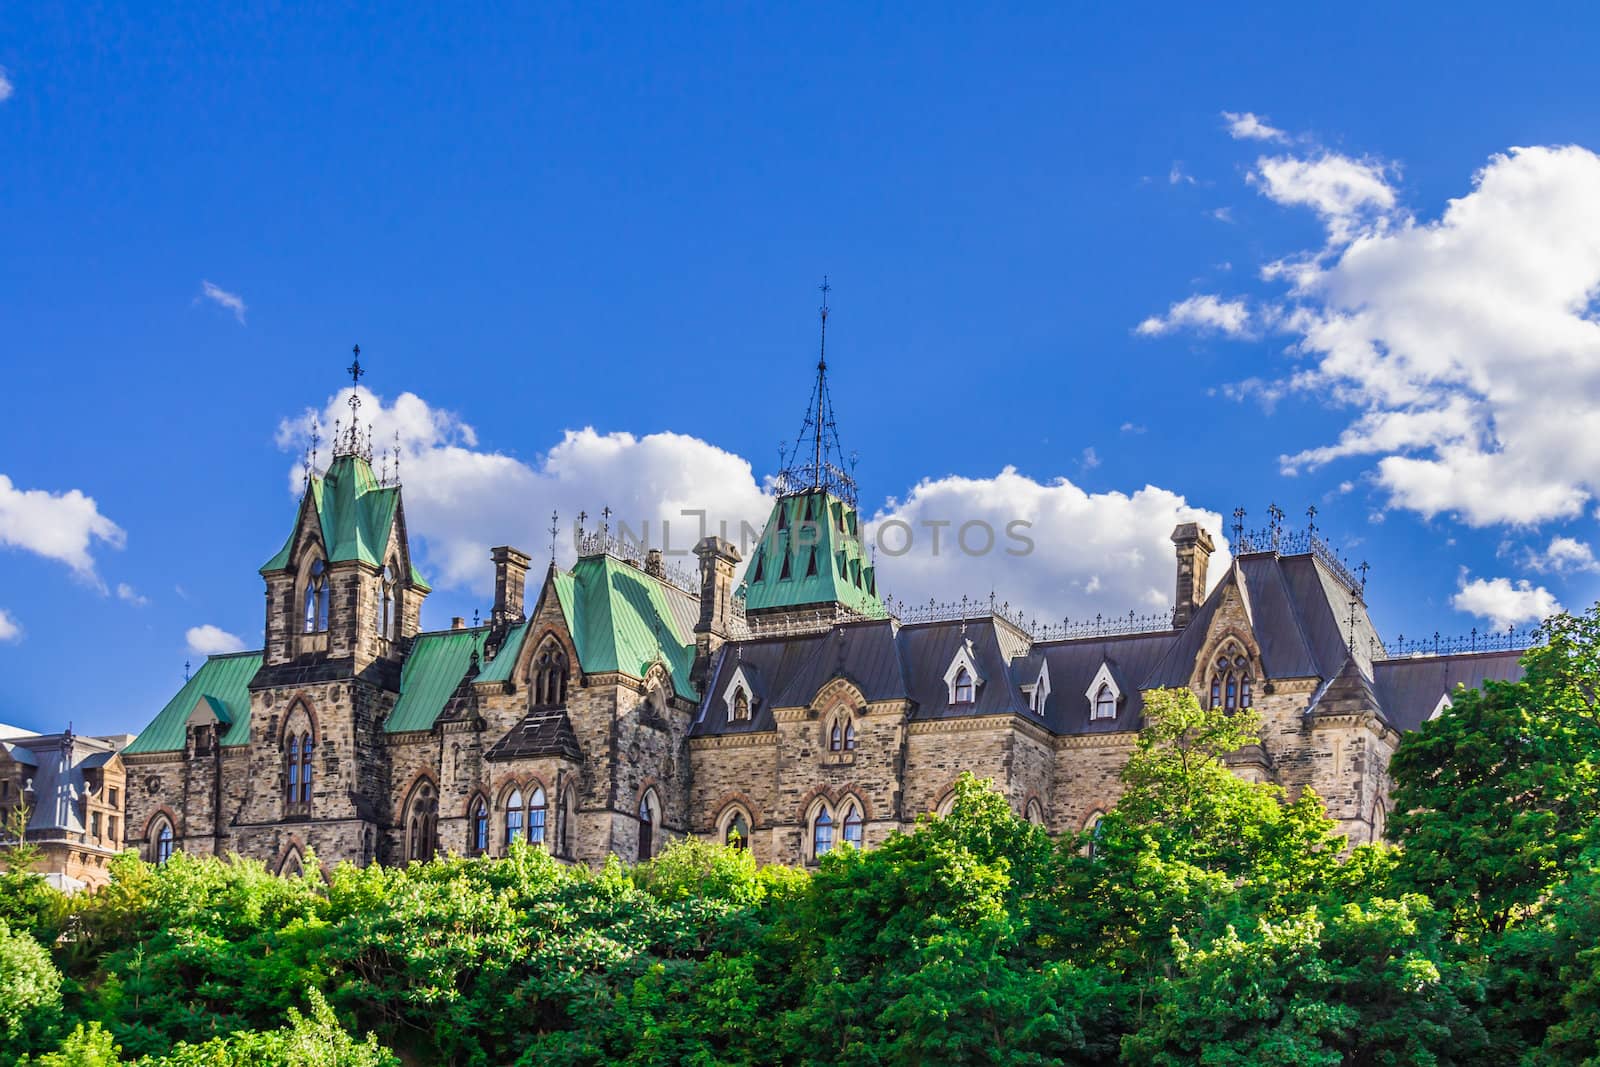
[
  {"x": 1131, "y": 427},
  {"x": 1203, "y": 313},
  {"x": 6, "y": 88},
  {"x": 1345, "y": 192},
  {"x": 1176, "y": 175},
  {"x": 58, "y": 526},
  {"x": 1105, "y": 553},
  {"x": 131, "y": 595},
  {"x": 1091, "y": 458},
  {"x": 1503, "y": 602},
  {"x": 1222, "y": 214},
  {"x": 1467, "y": 348},
  {"x": 1247, "y": 126},
  {"x": 461, "y": 500},
  {"x": 211, "y": 640},
  {"x": 222, "y": 298},
  {"x": 1565, "y": 555},
  {"x": 10, "y": 628}
]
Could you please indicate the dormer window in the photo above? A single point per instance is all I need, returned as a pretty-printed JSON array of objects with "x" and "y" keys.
[
  {"x": 1103, "y": 694},
  {"x": 962, "y": 678},
  {"x": 549, "y": 676},
  {"x": 741, "y": 706},
  {"x": 739, "y": 696},
  {"x": 1039, "y": 691},
  {"x": 316, "y": 599}
]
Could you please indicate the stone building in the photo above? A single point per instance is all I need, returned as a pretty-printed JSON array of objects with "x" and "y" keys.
[
  {"x": 616, "y": 705},
  {"x": 74, "y": 792}
]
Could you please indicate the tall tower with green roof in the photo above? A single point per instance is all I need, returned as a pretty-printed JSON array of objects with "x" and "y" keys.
[{"x": 811, "y": 557}]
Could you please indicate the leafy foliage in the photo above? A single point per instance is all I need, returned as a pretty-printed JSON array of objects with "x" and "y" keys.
[{"x": 1208, "y": 919}]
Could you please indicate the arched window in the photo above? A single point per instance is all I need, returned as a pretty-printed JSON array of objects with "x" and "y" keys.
[
  {"x": 836, "y": 737},
  {"x": 648, "y": 813},
  {"x": 550, "y": 676},
  {"x": 513, "y": 817},
  {"x": 852, "y": 826},
  {"x": 1232, "y": 686},
  {"x": 822, "y": 834},
  {"x": 161, "y": 850},
  {"x": 1097, "y": 828},
  {"x": 422, "y": 822},
  {"x": 390, "y": 628},
  {"x": 536, "y": 816},
  {"x": 1105, "y": 703},
  {"x": 963, "y": 686},
  {"x": 316, "y": 602},
  {"x": 1034, "y": 813},
  {"x": 293, "y": 865},
  {"x": 298, "y": 749},
  {"x": 569, "y": 814},
  {"x": 479, "y": 817},
  {"x": 741, "y": 706},
  {"x": 738, "y": 833},
  {"x": 849, "y": 735}
]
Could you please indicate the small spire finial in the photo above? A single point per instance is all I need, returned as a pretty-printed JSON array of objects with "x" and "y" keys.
[
  {"x": 1238, "y": 528},
  {"x": 1311, "y": 520},
  {"x": 186, "y": 670},
  {"x": 555, "y": 529}
]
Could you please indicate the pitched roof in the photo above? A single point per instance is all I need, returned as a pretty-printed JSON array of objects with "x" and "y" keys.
[
  {"x": 354, "y": 514},
  {"x": 622, "y": 619},
  {"x": 1409, "y": 689},
  {"x": 505, "y": 658},
  {"x": 818, "y": 535},
  {"x": 768, "y": 663},
  {"x": 1073, "y": 666},
  {"x": 864, "y": 653},
  {"x": 540, "y": 733},
  {"x": 224, "y": 681},
  {"x": 929, "y": 649},
  {"x": 434, "y": 667}
]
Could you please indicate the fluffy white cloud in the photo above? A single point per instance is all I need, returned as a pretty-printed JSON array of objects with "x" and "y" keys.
[
  {"x": 6, "y": 88},
  {"x": 462, "y": 500},
  {"x": 1090, "y": 553},
  {"x": 208, "y": 640},
  {"x": 58, "y": 526},
  {"x": 1202, "y": 313},
  {"x": 1247, "y": 126},
  {"x": 1504, "y": 602},
  {"x": 131, "y": 595},
  {"x": 1345, "y": 192},
  {"x": 1101, "y": 552},
  {"x": 1565, "y": 555},
  {"x": 1467, "y": 347},
  {"x": 10, "y": 628},
  {"x": 222, "y": 298}
]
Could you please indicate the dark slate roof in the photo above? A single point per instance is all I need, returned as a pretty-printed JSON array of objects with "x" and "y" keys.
[
  {"x": 1073, "y": 666},
  {"x": 1299, "y": 613},
  {"x": 1350, "y": 693},
  {"x": 1409, "y": 689},
  {"x": 927, "y": 651},
  {"x": 767, "y": 662},
  {"x": 540, "y": 733},
  {"x": 865, "y": 653}
]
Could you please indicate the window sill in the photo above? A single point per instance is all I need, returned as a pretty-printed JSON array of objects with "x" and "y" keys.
[{"x": 838, "y": 759}]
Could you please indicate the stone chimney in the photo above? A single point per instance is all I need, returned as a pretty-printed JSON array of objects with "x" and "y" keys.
[
  {"x": 510, "y": 578},
  {"x": 1194, "y": 553},
  {"x": 457, "y": 623},
  {"x": 717, "y": 560}
]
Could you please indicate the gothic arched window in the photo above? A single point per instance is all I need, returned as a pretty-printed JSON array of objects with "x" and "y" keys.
[
  {"x": 1232, "y": 686},
  {"x": 550, "y": 676},
  {"x": 649, "y": 812},
  {"x": 536, "y": 811},
  {"x": 822, "y": 833},
  {"x": 836, "y": 737},
  {"x": 963, "y": 686},
  {"x": 390, "y": 628},
  {"x": 161, "y": 851},
  {"x": 306, "y": 769},
  {"x": 852, "y": 826},
  {"x": 316, "y": 601},
  {"x": 298, "y": 749},
  {"x": 738, "y": 832},
  {"x": 569, "y": 814},
  {"x": 422, "y": 823},
  {"x": 849, "y": 735},
  {"x": 480, "y": 827},
  {"x": 513, "y": 817},
  {"x": 1105, "y": 703},
  {"x": 741, "y": 705}
]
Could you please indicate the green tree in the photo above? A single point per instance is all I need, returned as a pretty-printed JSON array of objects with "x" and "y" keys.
[{"x": 29, "y": 982}]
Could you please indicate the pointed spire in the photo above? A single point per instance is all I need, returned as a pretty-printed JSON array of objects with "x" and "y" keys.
[
  {"x": 817, "y": 461},
  {"x": 348, "y": 440}
]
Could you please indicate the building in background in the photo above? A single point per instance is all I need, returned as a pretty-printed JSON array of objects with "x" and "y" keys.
[{"x": 74, "y": 791}]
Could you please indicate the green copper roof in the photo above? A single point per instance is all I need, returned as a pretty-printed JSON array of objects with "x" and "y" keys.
[
  {"x": 811, "y": 553},
  {"x": 434, "y": 667},
  {"x": 222, "y": 681},
  {"x": 621, "y": 619},
  {"x": 355, "y": 514},
  {"x": 499, "y": 668}
]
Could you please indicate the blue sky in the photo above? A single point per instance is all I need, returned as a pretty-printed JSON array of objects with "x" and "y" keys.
[{"x": 586, "y": 241}]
